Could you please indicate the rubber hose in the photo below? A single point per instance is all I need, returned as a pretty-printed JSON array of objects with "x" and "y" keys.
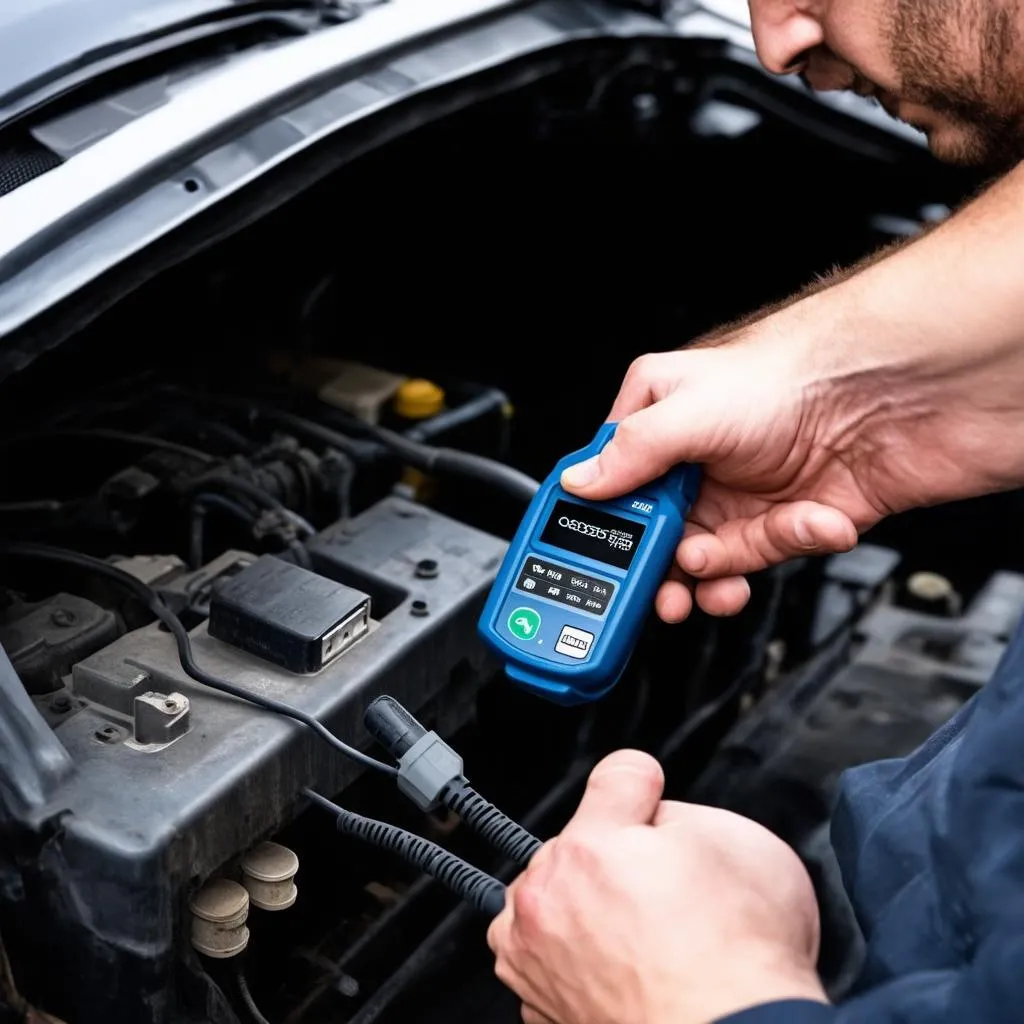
[{"x": 490, "y": 401}]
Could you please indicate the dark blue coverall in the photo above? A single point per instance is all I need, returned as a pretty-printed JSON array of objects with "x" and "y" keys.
[{"x": 931, "y": 848}]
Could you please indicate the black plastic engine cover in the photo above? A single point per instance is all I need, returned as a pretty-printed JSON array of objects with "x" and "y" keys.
[{"x": 112, "y": 856}]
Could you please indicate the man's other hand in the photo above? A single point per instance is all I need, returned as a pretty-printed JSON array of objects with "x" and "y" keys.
[{"x": 646, "y": 911}]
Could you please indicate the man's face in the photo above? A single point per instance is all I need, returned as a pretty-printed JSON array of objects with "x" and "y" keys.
[{"x": 952, "y": 68}]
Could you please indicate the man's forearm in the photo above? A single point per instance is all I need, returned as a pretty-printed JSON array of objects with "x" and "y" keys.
[
  {"x": 958, "y": 285},
  {"x": 920, "y": 351},
  {"x": 725, "y": 332},
  {"x": 951, "y": 300}
]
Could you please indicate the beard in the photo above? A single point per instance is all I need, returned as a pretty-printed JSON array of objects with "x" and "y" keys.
[{"x": 981, "y": 107}]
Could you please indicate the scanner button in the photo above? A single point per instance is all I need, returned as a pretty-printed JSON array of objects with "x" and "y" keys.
[
  {"x": 524, "y": 623},
  {"x": 574, "y": 642}
]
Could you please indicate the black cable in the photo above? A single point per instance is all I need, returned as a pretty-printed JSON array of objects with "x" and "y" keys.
[
  {"x": 470, "y": 884},
  {"x": 299, "y": 424},
  {"x": 458, "y": 463},
  {"x": 196, "y": 535},
  {"x": 236, "y": 509},
  {"x": 239, "y": 511},
  {"x": 33, "y": 506},
  {"x": 152, "y": 600},
  {"x": 250, "y": 490},
  {"x": 197, "y": 531},
  {"x": 246, "y": 993},
  {"x": 397, "y": 730},
  {"x": 125, "y": 437},
  {"x": 504, "y": 478},
  {"x": 743, "y": 680},
  {"x": 508, "y": 837},
  {"x": 346, "y": 478},
  {"x": 421, "y": 456},
  {"x": 492, "y": 400},
  {"x": 300, "y": 554},
  {"x": 441, "y": 938}
]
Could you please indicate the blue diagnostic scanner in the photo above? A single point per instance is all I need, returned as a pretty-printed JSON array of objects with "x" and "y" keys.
[{"x": 579, "y": 580}]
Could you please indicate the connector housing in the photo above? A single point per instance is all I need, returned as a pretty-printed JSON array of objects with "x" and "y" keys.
[
  {"x": 426, "y": 769},
  {"x": 288, "y": 615}
]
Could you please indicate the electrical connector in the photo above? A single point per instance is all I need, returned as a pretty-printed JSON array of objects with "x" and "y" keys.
[
  {"x": 426, "y": 764},
  {"x": 427, "y": 769},
  {"x": 288, "y": 615},
  {"x": 430, "y": 774}
]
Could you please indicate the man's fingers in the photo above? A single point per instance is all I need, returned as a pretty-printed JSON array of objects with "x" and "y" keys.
[
  {"x": 727, "y": 596},
  {"x": 643, "y": 385},
  {"x": 645, "y": 445},
  {"x": 500, "y": 929},
  {"x": 624, "y": 789},
  {"x": 670, "y": 812},
  {"x": 742, "y": 546},
  {"x": 511, "y": 967},
  {"x": 532, "y": 1016},
  {"x": 675, "y": 598}
]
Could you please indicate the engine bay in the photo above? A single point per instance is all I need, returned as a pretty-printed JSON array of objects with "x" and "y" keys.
[{"x": 358, "y": 387}]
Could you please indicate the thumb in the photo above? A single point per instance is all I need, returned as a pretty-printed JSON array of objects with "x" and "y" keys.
[
  {"x": 624, "y": 789},
  {"x": 645, "y": 445}
]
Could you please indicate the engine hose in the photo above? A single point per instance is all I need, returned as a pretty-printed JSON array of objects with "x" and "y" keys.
[
  {"x": 470, "y": 884},
  {"x": 428, "y": 459},
  {"x": 476, "y": 408},
  {"x": 506, "y": 836},
  {"x": 255, "y": 493}
]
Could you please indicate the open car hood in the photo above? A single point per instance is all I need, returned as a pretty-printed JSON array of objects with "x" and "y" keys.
[{"x": 50, "y": 44}]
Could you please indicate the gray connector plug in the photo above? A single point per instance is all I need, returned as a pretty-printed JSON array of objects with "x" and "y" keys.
[
  {"x": 427, "y": 769},
  {"x": 430, "y": 774}
]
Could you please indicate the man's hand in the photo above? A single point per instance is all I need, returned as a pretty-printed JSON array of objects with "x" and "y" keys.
[
  {"x": 896, "y": 388},
  {"x": 775, "y": 486},
  {"x": 652, "y": 912}
]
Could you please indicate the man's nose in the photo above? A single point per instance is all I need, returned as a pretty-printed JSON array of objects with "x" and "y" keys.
[{"x": 784, "y": 33}]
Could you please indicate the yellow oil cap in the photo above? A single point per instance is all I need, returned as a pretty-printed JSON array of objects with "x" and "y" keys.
[{"x": 418, "y": 399}]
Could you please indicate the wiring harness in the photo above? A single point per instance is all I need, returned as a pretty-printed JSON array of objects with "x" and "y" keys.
[{"x": 470, "y": 884}]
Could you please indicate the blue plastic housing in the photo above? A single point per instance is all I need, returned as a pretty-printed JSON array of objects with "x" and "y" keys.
[{"x": 565, "y": 620}]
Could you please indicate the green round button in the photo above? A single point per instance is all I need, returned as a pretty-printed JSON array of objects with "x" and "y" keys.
[{"x": 524, "y": 623}]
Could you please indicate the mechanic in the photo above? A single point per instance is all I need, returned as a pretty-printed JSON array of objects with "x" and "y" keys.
[{"x": 898, "y": 384}]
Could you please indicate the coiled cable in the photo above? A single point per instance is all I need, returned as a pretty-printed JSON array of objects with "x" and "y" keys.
[
  {"x": 475, "y": 887},
  {"x": 407, "y": 741},
  {"x": 495, "y": 827}
]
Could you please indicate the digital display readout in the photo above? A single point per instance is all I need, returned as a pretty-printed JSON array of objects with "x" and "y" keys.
[
  {"x": 593, "y": 533},
  {"x": 565, "y": 585}
]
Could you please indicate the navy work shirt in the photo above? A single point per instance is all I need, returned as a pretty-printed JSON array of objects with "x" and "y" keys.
[{"x": 931, "y": 848}]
